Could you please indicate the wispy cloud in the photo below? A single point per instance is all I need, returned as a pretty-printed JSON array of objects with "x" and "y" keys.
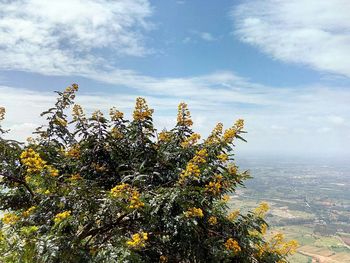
[
  {"x": 64, "y": 37},
  {"x": 314, "y": 33},
  {"x": 207, "y": 36}
]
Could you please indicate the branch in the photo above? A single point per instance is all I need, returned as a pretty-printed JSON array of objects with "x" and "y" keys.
[
  {"x": 17, "y": 180},
  {"x": 100, "y": 230}
]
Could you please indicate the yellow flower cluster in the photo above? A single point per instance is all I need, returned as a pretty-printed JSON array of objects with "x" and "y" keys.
[
  {"x": 116, "y": 133},
  {"x": 215, "y": 135},
  {"x": 120, "y": 190},
  {"x": 194, "y": 212},
  {"x": 73, "y": 88},
  {"x": 192, "y": 168},
  {"x": 51, "y": 170},
  {"x": 75, "y": 177},
  {"x": 191, "y": 140},
  {"x": 239, "y": 124},
  {"x": 115, "y": 114},
  {"x": 61, "y": 216},
  {"x": 141, "y": 111},
  {"x": 77, "y": 112},
  {"x": 29, "y": 211},
  {"x": 138, "y": 240},
  {"x": 213, "y": 220},
  {"x": 98, "y": 167},
  {"x": 214, "y": 187},
  {"x": 233, "y": 215},
  {"x": 200, "y": 156},
  {"x": 164, "y": 136},
  {"x": 97, "y": 115},
  {"x": 60, "y": 121},
  {"x": 32, "y": 160},
  {"x": 262, "y": 209},
  {"x": 223, "y": 157},
  {"x": 129, "y": 193},
  {"x": 73, "y": 152},
  {"x": 10, "y": 219},
  {"x": 232, "y": 169},
  {"x": 163, "y": 259},
  {"x": 277, "y": 245},
  {"x": 256, "y": 233},
  {"x": 184, "y": 115},
  {"x": 232, "y": 245},
  {"x": 229, "y": 135},
  {"x": 135, "y": 201},
  {"x": 2, "y": 113},
  {"x": 225, "y": 198}
]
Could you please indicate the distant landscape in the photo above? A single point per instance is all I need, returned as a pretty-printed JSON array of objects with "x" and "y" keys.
[{"x": 310, "y": 202}]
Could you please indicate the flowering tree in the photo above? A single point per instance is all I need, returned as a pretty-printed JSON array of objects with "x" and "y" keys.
[{"x": 98, "y": 189}]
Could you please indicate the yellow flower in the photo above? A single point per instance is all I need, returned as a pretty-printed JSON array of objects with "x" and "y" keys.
[
  {"x": 116, "y": 133},
  {"x": 194, "y": 212},
  {"x": 262, "y": 209},
  {"x": 232, "y": 169},
  {"x": 128, "y": 193},
  {"x": 164, "y": 136},
  {"x": 73, "y": 152},
  {"x": 75, "y": 177},
  {"x": 213, "y": 187},
  {"x": 229, "y": 135},
  {"x": 223, "y": 157},
  {"x": 135, "y": 201},
  {"x": 138, "y": 240},
  {"x": 77, "y": 112},
  {"x": 115, "y": 114},
  {"x": 29, "y": 211},
  {"x": 215, "y": 135},
  {"x": 225, "y": 198},
  {"x": 141, "y": 111},
  {"x": 60, "y": 121},
  {"x": 52, "y": 171},
  {"x": 2, "y": 113},
  {"x": 239, "y": 124},
  {"x": 97, "y": 115},
  {"x": 10, "y": 219},
  {"x": 62, "y": 216},
  {"x": 119, "y": 190},
  {"x": 184, "y": 115},
  {"x": 233, "y": 215},
  {"x": 232, "y": 245},
  {"x": 163, "y": 259},
  {"x": 192, "y": 170},
  {"x": 191, "y": 140},
  {"x": 263, "y": 229},
  {"x": 213, "y": 220},
  {"x": 277, "y": 245},
  {"x": 32, "y": 161}
]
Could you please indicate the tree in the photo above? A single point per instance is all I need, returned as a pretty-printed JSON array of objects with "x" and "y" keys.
[{"x": 98, "y": 189}]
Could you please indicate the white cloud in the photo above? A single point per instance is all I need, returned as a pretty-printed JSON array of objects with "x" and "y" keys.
[
  {"x": 314, "y": 33},
  {"x": 207, "y": 36},
  {"x": 60, "y": 37},
  {"x": 279, "y": 120}
]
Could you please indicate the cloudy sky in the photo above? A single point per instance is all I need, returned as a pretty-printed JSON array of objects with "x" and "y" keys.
[{"x": 282, "y": 65}]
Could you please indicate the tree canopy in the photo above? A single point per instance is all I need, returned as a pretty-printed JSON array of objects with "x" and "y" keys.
[{"x": 107, "y": 189}]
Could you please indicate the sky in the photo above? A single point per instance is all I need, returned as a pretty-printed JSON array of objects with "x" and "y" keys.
[{"x": 282, "y": 65}]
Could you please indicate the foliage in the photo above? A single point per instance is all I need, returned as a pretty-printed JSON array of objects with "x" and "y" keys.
[{"x": 98, "y": 189}]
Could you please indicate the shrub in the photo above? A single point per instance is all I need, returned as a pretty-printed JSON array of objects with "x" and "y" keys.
[{"x": 98, "y": 189}]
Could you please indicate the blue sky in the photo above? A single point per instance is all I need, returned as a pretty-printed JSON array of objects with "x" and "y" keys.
[{"x": 283, "y": 66}]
